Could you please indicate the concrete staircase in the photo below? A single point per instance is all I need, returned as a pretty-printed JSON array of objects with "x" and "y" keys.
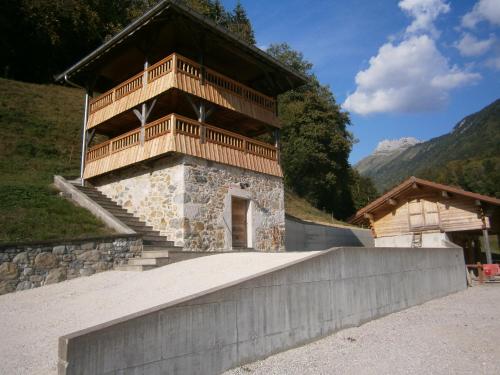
[{"x": 156, "y": 247}]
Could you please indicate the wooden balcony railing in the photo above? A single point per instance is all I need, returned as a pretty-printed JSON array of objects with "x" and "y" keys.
[
  {"x": 182, "y": 65},
  {"x": 174, "y": 124}
]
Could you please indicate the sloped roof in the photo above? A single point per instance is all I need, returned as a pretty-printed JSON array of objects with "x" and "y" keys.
[
  {"x": 404, "y": 186},
  {"x": 163, "y": 14}
]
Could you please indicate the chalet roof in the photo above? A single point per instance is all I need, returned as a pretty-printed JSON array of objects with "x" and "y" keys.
[
  {"x": 172, "y": 27},
  {"x": 404, "y": 186}
]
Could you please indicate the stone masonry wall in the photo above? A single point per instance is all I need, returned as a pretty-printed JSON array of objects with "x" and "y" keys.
[
  {"x": 209, "y": 187},
  {"x": 188, "y": 200},
  {"x": 153, "y": 195},
  {"x": 32, "y": 265}
]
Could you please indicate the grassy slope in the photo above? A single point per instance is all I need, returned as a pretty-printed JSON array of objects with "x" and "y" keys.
[
  {"x": 39, "y": 137},
  {"x": 302, "y": 209}
]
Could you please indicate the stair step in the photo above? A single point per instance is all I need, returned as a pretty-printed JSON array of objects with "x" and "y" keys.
[
  {"x": 142, "y": 262},
  {"x": 158, "y": 243},
  {"x": 134, "y": 268},
  {"x": 150, "y": 254}
]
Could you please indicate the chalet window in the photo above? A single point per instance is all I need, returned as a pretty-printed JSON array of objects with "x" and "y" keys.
[{"x": 423, "y": 214}]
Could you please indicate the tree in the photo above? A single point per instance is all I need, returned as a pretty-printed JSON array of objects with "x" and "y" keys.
[
  {"x": 315, "y": 140},
  {"x": 362, "y": 189},
  {"x": 240, "y": 25}
]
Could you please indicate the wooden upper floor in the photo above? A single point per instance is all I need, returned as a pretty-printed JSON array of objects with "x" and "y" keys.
[
  {"x": 175, "y": 133},
  {"x": 176, "y": 72}
]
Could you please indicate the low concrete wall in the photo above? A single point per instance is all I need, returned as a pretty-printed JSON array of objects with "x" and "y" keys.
[
  {"x": 267, "y": 313},
  {"x": 304, "y": 236},
  {"x": 30, "y": 265}
]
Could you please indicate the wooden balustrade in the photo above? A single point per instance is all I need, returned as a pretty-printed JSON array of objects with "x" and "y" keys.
[
  {"x": 98, "y": 151},
  {"x": 187, "y": 127},
  {"x": 160, "y": 68},
  {"x": 187, "y": 67},
  {"x": 158, "y": 128}
]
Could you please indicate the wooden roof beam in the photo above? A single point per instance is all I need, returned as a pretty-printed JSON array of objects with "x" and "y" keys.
[{"x": 392, "y": 201}]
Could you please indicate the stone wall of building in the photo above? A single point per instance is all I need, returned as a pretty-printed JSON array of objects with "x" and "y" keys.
[
  {"x": 188, "y": 200},
  {"x": 154, "y": 194},
  {"x": 209, "y": 188},
  {"x": 27, "y": 266}
]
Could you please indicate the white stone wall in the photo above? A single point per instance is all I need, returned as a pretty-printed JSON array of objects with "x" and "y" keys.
[
  {"x": 405, "y": 240},
  {"x": 188, "y": 200},
  {"x": 155, "y": 195}
]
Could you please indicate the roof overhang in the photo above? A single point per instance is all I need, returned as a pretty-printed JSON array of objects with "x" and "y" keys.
[
  {"x": 413, "y": 182},
  {"x": 172, "y": 27}
]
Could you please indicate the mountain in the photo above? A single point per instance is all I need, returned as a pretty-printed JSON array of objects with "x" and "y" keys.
[
  {"x": 386, "y": 151},
  {"x": 468, "y": 156}
]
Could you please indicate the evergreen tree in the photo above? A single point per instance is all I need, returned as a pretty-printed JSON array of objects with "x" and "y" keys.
[
  {"x": 240, "y": 25},
  {"x": 315, "y": 140}
]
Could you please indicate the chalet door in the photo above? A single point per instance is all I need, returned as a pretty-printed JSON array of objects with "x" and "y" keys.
[
  {"x": 423, "y": 214},
  {"x": 416, "y": 215},
  {"x": 431, "y": 214},
  {"x": 239, "y": 222}
]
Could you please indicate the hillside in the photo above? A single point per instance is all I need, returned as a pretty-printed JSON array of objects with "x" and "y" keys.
[
  {"x": 40, "y": 136},
  {"x": 468, "y": 156}
]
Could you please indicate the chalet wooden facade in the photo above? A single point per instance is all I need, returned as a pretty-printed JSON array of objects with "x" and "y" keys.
[
  {"x": 423, "y": 213},
  {"x": 174, "y": 85}
]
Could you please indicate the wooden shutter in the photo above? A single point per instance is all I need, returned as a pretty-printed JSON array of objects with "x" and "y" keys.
[
  {"x": 415, "y": 214},
  {"x": 431, "y": 214}
]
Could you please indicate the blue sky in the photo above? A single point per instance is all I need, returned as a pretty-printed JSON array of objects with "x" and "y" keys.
[{"x": 401, "y": 68}]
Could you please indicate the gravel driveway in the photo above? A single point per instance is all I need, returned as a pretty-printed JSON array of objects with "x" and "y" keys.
[{"x": 458, "y": 334}]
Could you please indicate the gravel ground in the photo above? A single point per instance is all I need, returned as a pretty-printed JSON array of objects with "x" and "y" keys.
[
  {"x": 31, "y": 321},
  {"x": 457, "y": 334}
]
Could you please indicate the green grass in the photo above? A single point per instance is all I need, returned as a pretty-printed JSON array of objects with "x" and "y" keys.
[
  {"x": 39, "y": 137},
  {"x": 302, "y": 209}
]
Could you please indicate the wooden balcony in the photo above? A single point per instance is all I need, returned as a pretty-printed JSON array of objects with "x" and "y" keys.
[
  {"x": 174, "y": 133},
  {"x": 177, "y": 72}
]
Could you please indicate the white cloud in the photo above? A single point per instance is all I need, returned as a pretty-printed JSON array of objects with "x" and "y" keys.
[
  {"x": 469, "y": 45},
  {"x": 484, "y": 10},
  {"x": 411, "y": 76},
  {"x": 494, "y": 63},
  {"x": 424, "y": 12}
]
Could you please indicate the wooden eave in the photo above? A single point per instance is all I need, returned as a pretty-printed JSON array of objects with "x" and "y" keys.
[
  {"x": 411, "y": 183},
  {"x": 170, "y": 26}
]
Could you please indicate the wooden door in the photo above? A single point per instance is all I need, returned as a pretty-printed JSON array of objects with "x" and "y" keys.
[
  {"x": 239, "y": 222},
  {"x": 415, "y": 214},
  {"x": 431, "y": 214}
]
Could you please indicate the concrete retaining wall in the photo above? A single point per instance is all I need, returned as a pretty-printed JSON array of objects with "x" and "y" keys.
[
  {"x": 305, "y": 236},
  {"x": 253, "y": 318}
]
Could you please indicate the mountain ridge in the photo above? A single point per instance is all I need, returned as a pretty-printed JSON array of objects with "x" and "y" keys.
[{"x": 468, "y": 156}]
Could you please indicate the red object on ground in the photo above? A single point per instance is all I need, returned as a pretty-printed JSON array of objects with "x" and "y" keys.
[{"x": 491, "y": 269}]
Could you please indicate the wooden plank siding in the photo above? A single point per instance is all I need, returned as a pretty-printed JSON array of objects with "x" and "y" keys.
[
  {"x": 162, "y": 137},
  {"x": 433, "y": 214},
  {"x": 178, "y": 72}
]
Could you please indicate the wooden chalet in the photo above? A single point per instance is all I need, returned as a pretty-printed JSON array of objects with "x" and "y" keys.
[
  {"x": 420, "y": 213},
  {"x": 175, "y": 82}
]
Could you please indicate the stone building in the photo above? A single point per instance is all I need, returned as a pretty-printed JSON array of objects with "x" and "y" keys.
[{"x": 175, "y": 112}]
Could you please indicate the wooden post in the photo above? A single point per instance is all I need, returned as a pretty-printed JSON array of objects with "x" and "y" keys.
[
  {"x": 480, "y": 272},
  {"x": 144, "y": 108},
  {"x": 84, "y": 136},
  {"x": 201, "y": 120},
  {"x": 174, "y": 125},
  {"x": 487, "y": 248}
]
